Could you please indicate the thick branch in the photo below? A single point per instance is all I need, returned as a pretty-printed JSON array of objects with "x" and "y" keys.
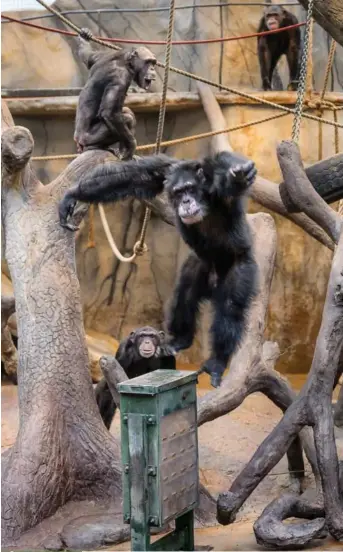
[
  {"x": 113, "y": 374},
  {"x": 270, "y": 531},
  {"x": 302, "y": 193},
  {"x": 311, "y": 407},
  {"x": 329, "y": 15}
]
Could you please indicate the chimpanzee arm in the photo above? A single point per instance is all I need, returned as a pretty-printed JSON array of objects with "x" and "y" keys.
[
  {"x": 264, "y": 58},
  {"x": 231, "y": 174},
  {"x": 142, "y": 178},
  {"x": 124, "y": 355},
  {"x": 293, "y": 53},
  {"x": 86, "y": 53},
  {"x": 110, "y": 111}
]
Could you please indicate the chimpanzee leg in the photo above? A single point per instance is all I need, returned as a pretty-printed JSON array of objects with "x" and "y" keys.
[
  {"x": 264, "y": 57},
  {"x": 293, "y": 65},
  {"x": 191, "y": 288},
  {"x": 231, "y": 298},
  {"x": 105, "y": 402}
]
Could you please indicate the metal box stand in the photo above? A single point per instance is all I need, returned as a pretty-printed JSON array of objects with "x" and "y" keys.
[{"x": 159, "y": 446}]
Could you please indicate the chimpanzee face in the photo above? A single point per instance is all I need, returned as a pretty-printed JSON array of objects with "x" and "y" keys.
[
  {"x": 147, "y": 341},
  {"x": 186, "y": 190},
  {"x": 273, "y": 17},
  {"x": 143, "y": 63}
]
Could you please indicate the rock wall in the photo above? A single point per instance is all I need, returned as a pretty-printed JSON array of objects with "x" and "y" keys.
[{"x": 118, "y": 297}]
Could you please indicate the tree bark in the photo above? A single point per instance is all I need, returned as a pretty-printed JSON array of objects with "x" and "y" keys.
[
  {"x": 329, "y": 15},
  {"x": 313, "y": 404},
  {"x": 63, "y": 451}
]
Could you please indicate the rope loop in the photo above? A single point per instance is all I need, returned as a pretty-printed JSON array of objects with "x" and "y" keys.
[{"x": 140, "y": 249}]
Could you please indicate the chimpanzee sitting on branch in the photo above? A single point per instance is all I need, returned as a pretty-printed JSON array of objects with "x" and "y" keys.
[
  {"x": 271, "y": 47},
  {"x": 101, "y": 120},
  {"x": 208, "y": 200},
  {"x": 143, "y": 351}
]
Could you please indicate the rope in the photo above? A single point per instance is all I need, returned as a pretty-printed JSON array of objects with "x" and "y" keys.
[
  {"x": 162, "y": 113},
  {"x": 196, "y": 77},
  {"x": 309, "y": 76},
  {"x": 299, "y": 106},
  {"x": 91, "y": 239},
  {"x": 155, "y": 42},
  {"x": 176, "y": 141},
  {"x": 321, "y": 100},
  {"x": 160, "y": 9},
  {"x": 111, "y": 241}
]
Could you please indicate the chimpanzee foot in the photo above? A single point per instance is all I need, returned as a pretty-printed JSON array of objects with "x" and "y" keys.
[
  {"x": 66, "y": 210},
  {"x": 215, "y": 369}
]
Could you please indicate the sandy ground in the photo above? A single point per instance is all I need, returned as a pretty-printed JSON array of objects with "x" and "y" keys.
[{"x": 226, "y": 444}]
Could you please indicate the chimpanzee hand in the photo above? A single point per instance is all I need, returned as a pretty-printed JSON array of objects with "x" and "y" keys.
[
  {"x": 215, "y": 368},
  {"x": 66, "y": 210},
  {"x": 243, "y": 174},
  {"x": 85, "y": 33}
]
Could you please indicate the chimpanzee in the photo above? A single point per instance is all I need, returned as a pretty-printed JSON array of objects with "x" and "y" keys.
[
  {"x": 208, "y": 200},
  {"x": 143, "y": 351},
  {"x": 101, "y": 120},
  {"x": 272, "y": 47}
]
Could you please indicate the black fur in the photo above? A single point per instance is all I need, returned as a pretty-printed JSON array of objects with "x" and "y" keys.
[
  {"x": 208, "y": 199},
  {"x": 135, "y": 365},
  {"x": 272, "y": 47},
  {"x": 101, "y": 120},
  {"x": 113, "y": 181}
]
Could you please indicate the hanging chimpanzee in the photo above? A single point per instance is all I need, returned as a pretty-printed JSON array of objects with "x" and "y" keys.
[
  {"x": 143, "y": 351},
  {"x": 208, "y": 199},
  {"x": 272, "y": 47},
  {"x": 101, "y": 121}
]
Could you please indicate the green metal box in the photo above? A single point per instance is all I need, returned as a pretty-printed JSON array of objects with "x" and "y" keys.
[{"x": 159, "y": 448}]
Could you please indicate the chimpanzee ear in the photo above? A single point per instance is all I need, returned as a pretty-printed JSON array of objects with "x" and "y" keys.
[
  {"x": 132, "y": 54},
  {"x": 162, "y": 335},
  {"x": 131, "y": 336}
]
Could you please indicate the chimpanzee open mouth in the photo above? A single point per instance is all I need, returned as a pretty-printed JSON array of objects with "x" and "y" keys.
[{"x": 147, "y": 84}]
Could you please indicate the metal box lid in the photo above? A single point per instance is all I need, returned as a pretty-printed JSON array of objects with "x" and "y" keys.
[{"x": 157, "y": 382}]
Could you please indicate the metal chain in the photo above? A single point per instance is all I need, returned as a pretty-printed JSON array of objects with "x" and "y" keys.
[
  {"x": 299, "y": 106},
  {"x": 141, "y": 246}
]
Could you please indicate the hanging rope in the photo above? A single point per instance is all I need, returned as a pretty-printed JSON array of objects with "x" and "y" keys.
[
  {"x": 140, "y": 246},
  {"x": 161, "y": 117},
  {"x": 309, "y": 76},
  {"x": 321, "y": 101},
  {"x": 299, "y": 106}
]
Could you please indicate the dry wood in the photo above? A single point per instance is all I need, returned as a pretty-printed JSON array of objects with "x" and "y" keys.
[
  {"x": 301, "y": 192},
  {"x": 63, "y": 451},
  {"x": 150, "y": 103},
  {"x": 329, "y": 14},
  {"x": 311, "y": 407}
]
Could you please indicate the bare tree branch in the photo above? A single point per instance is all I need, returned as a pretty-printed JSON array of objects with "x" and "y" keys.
[{"x": 302, "y": 193}]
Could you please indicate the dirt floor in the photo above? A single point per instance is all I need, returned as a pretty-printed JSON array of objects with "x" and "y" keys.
[{"x": 226, "y": 444}]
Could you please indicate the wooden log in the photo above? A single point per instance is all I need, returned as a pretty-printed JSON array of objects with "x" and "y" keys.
[
  {"x": 150, "y": 102},
  {"x": 329, "y": 15}
]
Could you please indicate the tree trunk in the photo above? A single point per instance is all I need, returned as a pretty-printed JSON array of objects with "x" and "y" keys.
[
  {"x": 329, "y": 15},
  {"x": 63, "y": 451}
]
